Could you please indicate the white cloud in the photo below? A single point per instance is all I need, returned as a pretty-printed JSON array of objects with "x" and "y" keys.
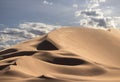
[
  {"x": 92, "y": 12},
  {"x": 47, "y": 3},
  {"x": 94, "y": 16},
  {"x": 95, "y": 3},
  {"x": 117, "y": 21}
]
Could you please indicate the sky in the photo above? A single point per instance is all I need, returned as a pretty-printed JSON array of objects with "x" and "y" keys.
[
  {"x": 60, "y": 12},
  {"x": 50, "y": 12},
  {"x": 21, "y": 20}
]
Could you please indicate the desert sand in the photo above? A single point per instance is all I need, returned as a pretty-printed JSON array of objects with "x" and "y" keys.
[{"x": 64, "y": 55}]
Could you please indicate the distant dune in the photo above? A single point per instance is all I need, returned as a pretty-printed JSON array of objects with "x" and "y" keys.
[{"x": 64, "y": 55}]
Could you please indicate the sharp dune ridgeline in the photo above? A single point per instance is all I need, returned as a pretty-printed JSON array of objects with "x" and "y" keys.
[{"x": 64, "y": 55}]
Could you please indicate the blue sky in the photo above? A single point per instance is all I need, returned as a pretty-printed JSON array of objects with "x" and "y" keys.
[
  {"x": 16, "y": 11},
  {"x": 24, "y": 19},
  {"x": 55, "y": 12}
]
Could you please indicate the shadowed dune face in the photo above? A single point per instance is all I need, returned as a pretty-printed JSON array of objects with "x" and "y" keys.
[
  {"x": 64, "y": 55},
  {"x": 3, "y": 67},
  {"x": 21, "y": 53},
  {"x": 8, "y": 51},
  {"x": 46, "y": 45},
  {"x": 51, "y": 58},
  {"x": 59, "y": 60},
  {"x": 67, "y": 61}
]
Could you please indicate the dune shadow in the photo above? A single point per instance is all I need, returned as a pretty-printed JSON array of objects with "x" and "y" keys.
[
  {"x": 45, "y": 77},
  {"x": 21, "y": 53},
  {"x": 54, "y": 59},
  {"x": 3, "y": 67},
  {"x": 46, "y": 45},
  {"x": 8, "y": 51},
  {"x": 67, "y": 61}
]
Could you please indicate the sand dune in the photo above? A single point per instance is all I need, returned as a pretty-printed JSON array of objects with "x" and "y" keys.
[{"x": 64, "y": 55}]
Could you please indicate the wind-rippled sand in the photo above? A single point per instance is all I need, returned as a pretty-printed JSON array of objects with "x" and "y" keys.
[{"x": 64, "y": 55}]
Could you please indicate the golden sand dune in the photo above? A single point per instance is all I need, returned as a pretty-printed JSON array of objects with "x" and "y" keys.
[{"x": 64, "y": 55}]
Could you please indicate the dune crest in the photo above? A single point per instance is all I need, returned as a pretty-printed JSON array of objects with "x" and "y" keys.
[{"x": 64, "y": 55}]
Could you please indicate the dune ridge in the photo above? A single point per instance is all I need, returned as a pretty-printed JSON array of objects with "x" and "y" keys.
[{"x": 64, "y": 55}]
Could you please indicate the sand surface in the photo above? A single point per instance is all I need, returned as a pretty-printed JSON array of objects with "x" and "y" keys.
[{"x": 64, "y": 55}]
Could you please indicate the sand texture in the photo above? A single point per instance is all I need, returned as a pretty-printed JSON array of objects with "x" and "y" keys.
[{"x": 64, "y": 55}]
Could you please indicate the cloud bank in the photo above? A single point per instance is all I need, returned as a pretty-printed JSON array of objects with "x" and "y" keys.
[
  {"x": 10, "y": 36},
  {"x": 94, "y": 16}
]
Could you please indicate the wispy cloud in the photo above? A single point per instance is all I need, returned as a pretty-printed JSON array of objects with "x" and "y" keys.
[
  {"x": 75, "y": 6},
  {"x": 47, "y": 3}
]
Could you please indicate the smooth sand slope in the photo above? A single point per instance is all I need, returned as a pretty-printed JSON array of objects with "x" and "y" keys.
[{"x": 64, "y": 55}]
